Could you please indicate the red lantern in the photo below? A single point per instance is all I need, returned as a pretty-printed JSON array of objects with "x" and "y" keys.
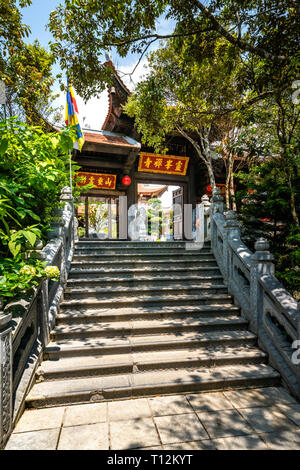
[{"x": 126, "y": 180}]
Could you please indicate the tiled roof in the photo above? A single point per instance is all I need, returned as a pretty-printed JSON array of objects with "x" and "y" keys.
[{"x": 105, "y": 139}]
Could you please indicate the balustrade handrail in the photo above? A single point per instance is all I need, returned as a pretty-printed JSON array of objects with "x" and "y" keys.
[
  {"x": 22, "y": 341},
  {"x": 272, "y": 312}
]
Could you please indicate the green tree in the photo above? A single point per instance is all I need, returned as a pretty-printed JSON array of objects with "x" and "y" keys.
[
  {"x": 26, "y": 69},
  {"x": 191, "y": 99},
  {"x": 263, "y": 30}
]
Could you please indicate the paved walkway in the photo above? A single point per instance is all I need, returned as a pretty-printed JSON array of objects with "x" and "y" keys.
[{"x": 265, "y": 418}]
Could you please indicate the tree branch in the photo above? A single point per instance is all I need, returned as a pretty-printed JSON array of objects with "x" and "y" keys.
[
  {"x": 243, "y": 45},
  {"x": 155, "y": 37}
]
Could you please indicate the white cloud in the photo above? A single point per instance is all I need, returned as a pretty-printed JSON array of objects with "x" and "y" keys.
[{"x": 92, "y": 114}]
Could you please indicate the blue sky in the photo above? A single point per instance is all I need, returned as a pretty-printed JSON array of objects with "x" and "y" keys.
[{"x": 94, "y": 111}]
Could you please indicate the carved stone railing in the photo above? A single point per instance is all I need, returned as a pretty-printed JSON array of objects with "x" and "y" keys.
[
  {"x": 25, "y": 326},
  {"x": 271, "y": 311}
]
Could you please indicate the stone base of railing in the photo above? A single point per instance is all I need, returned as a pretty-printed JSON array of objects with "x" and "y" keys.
[
  {"x": 271, "y": 311},
  {"x": 24, "y": 336}
]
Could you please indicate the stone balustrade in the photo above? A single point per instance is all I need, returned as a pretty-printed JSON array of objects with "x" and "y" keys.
[
  {"x": 271, "y": 311},
  {"x": 25, "y": 325}
]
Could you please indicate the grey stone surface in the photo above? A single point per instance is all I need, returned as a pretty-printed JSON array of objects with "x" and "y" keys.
[
  {"x": 180, "y": 428},
  {"x": 209, "y": 402},
  {"x": 34, "y": 440},
  {"x": 240, "y": 443},
  {"x": 266, "y": 419},
  {"x": 128, "y": 409},
  {"x": 193, "y": 445},
  {"x": 85, "y": 414},
  {"x": 84, "y": 437},
  {"x": 133, "y": 434},
  {"x": 224, "y": 423},
  {"x": 35, "y": 420},
  {"x": 292, "y": 411},
  {"x": 282, "y": 440},
  {"x": 169, "y": 405},
  {"x": 260, "y": 397}
]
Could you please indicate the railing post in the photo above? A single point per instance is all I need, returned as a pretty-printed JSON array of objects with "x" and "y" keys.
[
  {"x": 232, "y": 231},
  {"x": 206, "y": 217},
  {"x": 217, "y": 206},
  {"x": 261, "y": 263},
  {"x": 5, "y": 376},
  {"x": 67, "y": 199}
]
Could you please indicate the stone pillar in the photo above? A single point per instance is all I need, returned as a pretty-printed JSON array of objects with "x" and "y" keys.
[
  {"x": 261, "y": 263},
  {"x": 232, "y": 229},
  {"x": 5, "y": 376},
  {"x": 67, "y": 198},
  {"x": 217, "y": 201},
  {"x": 217, "y": 206},
  {"x": 206, "y": 217}
]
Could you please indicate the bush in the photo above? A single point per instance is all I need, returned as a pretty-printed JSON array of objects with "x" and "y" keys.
[{"x": 34, "y": 167}]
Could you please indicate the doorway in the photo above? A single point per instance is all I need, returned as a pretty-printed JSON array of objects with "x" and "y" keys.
[
  {"x": 163, "y": 204},
  {"x": 98, "y": 217}
]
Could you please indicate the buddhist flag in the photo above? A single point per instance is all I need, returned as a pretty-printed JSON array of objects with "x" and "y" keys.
[{"x": 71, "y": 118}]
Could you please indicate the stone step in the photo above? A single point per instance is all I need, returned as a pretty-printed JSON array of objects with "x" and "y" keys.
[
  {"x": 125, "y": 314},
  {"x": 138, "y": 250},
  {"x": 110, "y": 293},
  {"x": 112, "y": 272},
  {"x": 157, "y": 255},
  {"x": 141, "y": 264},
  {"x": 108, "y": 346},
  {"x": 148, "y": 327},
  {"x": 132, "y": 301},
  {"x": 82, "y": 390},
  {"x": 144, "y": 281},
  {"x": 131, "y": 245},
  {"x": 90, "y": 366}
]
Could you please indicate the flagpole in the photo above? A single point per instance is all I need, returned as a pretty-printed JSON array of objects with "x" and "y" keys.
[{"x": 70, "y": 162}]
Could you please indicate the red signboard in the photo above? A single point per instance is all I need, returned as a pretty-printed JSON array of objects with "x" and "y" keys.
[
  {"x": 98, "y": 180},
  {"x": 168, "y": 164}
]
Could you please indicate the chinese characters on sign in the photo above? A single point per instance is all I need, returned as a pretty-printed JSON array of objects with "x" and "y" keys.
[
  {"x": 169, "y": 164},
  {"x": 98, "y": 180}
]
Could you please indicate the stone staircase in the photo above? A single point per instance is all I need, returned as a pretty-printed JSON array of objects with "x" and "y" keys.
[{"x": 142, "y": 319}]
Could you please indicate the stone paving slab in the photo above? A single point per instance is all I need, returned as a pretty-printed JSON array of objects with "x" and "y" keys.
[
  {"x": 77, "y": 415},
  {"x": 265, "y": 418},
  {"x": 209, "y": 401},
  {"x": 36, "y": 420},
  {"x": 240, "y": 443},
  {"x": 284, "y": 440},
  {"x": 224, "y": 423},
  {"x": 34, "y": 440},
  {"x": 125, "y": 410},
  {"x": 180, "y": 428},
  {"x": 193, "y": 445},
  {"x": 170, "y": 405},
  {"x": 133, "y": 434},
  {"x": 260, "y": 397},
  {"x": 85, "y": 437}
]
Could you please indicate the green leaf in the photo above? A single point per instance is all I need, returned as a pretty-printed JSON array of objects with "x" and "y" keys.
[
  {"x": 15, "y": 248},
  {"x": 31, "y": 237}
]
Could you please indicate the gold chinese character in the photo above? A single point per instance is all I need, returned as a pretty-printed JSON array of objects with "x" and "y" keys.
[
  {"x": 169, "y": 164},
  {"x": 92, "y": 180},
  {"x": 158, "y": 163},
  {"x": 178, "y": 166},
  {"x": 148, "y": 162},
  {"x": 100, "y": 181},
  {"x": 108, "y": 182},
  {"x": 82, "y": 179}
]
